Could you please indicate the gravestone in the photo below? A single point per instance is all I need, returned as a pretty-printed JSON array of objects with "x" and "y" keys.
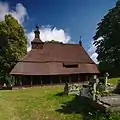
[
  {"x": 72, "y": 88},
  {"x": 90, "y": 89},
  {"x": 96, "y": 81},
  {"x": 110, "y": 103},
  {"x": 106, "y": 80},
  {"x": 86, "y": 91}
]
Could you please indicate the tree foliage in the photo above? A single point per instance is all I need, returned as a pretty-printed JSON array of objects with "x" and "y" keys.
[
  {"x": 13, "y": 45},
  {"x": 108, "y": 48}
]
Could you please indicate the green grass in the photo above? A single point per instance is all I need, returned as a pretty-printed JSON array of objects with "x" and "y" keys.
[
  {"x": 114, "y": 81},
  {"x": 46, "y": 103},
  {"x": 40, "y": 103}
]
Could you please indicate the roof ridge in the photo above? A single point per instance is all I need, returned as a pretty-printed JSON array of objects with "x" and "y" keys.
[
  {"x": 61, "y": 43},
  {"x": 54, "y": 61}
]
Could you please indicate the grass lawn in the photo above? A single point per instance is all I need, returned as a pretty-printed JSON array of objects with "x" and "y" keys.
[
  {"x": 45, "y": 103},
  {"x": 114, "y": 80},
  {"x": 38, "y": 103}
]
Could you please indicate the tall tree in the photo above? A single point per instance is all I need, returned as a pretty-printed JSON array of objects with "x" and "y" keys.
[
  {"x": 13, "y": 45},
  {"x": 108, "y": 48}
]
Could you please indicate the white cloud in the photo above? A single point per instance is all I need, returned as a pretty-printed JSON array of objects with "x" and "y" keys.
[
  {"x": 19, "y": 13},
  {"x": 94, "y": 57},
  {"x": 48, "y": 34},
  {"x": 91, "y": 51},
  {"x": 4, "y": 9}
]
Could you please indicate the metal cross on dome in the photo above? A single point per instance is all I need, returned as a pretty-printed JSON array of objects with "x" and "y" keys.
[
  {"x": 37, "y": 28},
  {"x": 80, "y": 41},
  {"x": 37, "y": 32}
]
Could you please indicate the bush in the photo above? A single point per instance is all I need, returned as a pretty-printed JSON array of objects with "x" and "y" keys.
[
  {"x": 117, "y": 90},
  {"x": 100, "y": 87}
]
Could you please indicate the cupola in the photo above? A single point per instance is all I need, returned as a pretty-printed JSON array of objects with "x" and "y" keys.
[{"x": 37, "y": 42}]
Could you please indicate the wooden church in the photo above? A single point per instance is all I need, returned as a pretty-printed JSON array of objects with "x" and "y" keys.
[{"x": 53, "y": 62}]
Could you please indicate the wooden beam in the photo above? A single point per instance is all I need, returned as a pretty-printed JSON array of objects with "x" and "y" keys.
[
  {"x": 60, "y": 79},
  {"x": 78, "y": 77},
  {"x": 69, "y": 78},
  {"x": 15, "y": 80},
  {"x": 20, "y": 81},
  {"x": 86, "y": 78},
  {"x": 41, "y": 80},
  {"x": 50, "y": 79},
  {"x": 31, "y": 80}
]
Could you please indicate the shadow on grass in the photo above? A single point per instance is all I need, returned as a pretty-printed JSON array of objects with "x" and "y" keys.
[
  {"x": 81, "y": 105},
  {"x": 60, "y": 94}
]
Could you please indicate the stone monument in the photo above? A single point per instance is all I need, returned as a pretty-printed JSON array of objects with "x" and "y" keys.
[
  {"x": 106, "y": 80},
  {"x": 90, "y": 89}
]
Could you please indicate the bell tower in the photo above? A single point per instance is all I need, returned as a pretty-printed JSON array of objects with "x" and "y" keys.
[{"x": 37, "y": 42}]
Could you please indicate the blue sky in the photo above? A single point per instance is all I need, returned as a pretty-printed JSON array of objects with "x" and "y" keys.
[{"x": 75, "y": 17}]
